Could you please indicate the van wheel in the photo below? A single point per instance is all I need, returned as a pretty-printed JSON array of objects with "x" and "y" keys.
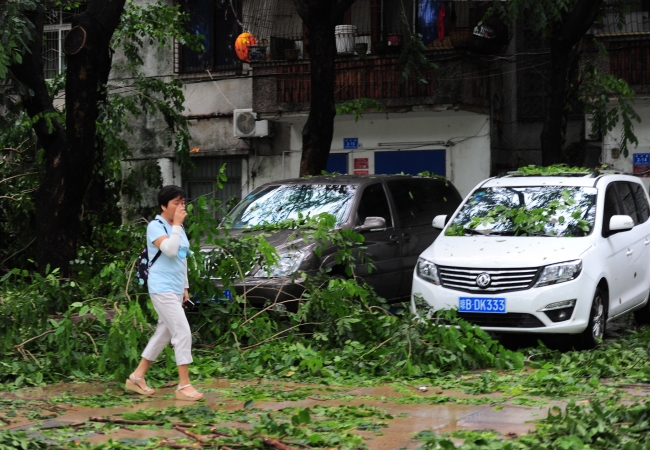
[
  {"x": 595, "y": 330},
  {"x": 642, "y": 316}
]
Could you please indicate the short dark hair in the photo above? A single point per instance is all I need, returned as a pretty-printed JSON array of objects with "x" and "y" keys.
[{"x": 169, "y": 193}]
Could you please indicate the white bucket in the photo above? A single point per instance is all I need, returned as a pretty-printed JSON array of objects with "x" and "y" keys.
[{"x": 345, "y": 38}]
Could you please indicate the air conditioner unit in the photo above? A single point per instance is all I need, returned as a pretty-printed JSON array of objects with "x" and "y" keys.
[{"x": 246, "y": 125}]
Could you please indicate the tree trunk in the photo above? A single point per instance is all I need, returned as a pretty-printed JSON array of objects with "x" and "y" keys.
[
  {"x": 564, "y": 38},
  {"x": 552, "y": 138},
  {"x": 320, "y": 17},
  {"x": 319, "y": 129},
  {"x": 70, "y": 152}
]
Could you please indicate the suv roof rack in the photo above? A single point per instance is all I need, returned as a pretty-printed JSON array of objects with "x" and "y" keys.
[
  {"x": 591, "y": 174},
  {"x": 516, "y": 173},
  {"x": 598, "y": 173}
]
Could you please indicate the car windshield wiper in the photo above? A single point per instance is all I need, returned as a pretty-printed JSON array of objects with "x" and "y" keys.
[
  {"x": 541, "y": 233},
  {"x": 488, "y": 232}
]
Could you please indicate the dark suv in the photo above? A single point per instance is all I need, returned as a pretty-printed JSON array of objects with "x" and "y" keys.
[{"x": 394, "y": 213}]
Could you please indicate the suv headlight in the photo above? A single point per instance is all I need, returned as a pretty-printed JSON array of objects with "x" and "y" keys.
[
  {"x": 287, "y": 264},
  {"x": 427, "y": 271},
  {"x": 559, "y": 273}
]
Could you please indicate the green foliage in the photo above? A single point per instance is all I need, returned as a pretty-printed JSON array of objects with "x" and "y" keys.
[
  {"x": 553, "y": 170},
  {"x": 413, "y": 54},
  {"x": 597, "y": 92},
  {"x": 19, "y": 440},
  {"x": 358, "y": 106},
  {"x": 152, "y": 23},
  {"x": 593, "y": 426},
  {"x": 342, "y": 328},
  {"x": 15, "y": 32}
]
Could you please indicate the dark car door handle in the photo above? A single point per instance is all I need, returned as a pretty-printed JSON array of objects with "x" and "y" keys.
[
  {"x": 406, "y": 236},
  {"x": 394, "y": 238}
]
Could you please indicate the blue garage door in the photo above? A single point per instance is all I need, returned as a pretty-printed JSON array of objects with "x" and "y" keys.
[
  {"x": 337, "y": 163},
  {"x": 411, "y": 162}
]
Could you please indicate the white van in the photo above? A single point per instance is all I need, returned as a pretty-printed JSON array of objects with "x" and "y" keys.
[{"x": 542, "y": 254}]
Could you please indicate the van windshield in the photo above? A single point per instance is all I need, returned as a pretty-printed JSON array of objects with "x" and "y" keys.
[
  {"x": 274, "y": 204},
  {"x": 527, "y": 211}
]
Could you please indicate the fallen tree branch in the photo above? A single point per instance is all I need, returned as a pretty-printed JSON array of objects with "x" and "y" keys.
[
  {"x": 137, "y": 422},
  {"x": 194, "y": 436},
  {"x": 31, "y": 339},
  {"x": 166, "y": 443},
  {"x": 277, "y": 444},
  {"x": 277, "y": 334}
]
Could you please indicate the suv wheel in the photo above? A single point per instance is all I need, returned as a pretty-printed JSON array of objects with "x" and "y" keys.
[
  {"x": 595, "y": 330},
  {"x": 642, "y": 316}
]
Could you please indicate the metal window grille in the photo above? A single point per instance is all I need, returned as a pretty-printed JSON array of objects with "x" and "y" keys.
[
  {"x": 276, "y": 23},
  {"x": 58, "y": 22},
  {"x": 630, "y": 60},
  {"x": 201, "y": 181}
]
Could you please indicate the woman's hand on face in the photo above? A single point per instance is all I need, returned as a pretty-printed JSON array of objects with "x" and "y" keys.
[{"x": 179, "y": 215}]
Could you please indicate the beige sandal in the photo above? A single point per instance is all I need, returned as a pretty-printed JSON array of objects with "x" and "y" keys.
[
  {"x": 190, "y": 398},
  {"x": 132, "y": 385}
]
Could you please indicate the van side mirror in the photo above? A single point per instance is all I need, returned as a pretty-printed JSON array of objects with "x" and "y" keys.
[
  {"x": 370, "y": 223},
  {"x": 439, "y": 222},
  {"x": 620, "y": 223}
]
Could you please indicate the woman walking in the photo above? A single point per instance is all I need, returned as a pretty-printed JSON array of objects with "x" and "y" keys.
[{"x": 169, "y": 290}]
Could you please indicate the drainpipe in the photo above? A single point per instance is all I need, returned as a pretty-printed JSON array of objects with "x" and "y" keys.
[{"x": 287, "y": 151}]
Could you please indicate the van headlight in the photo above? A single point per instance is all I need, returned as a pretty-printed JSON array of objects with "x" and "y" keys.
[
  {"x": 287, "y": 264},
  {"x": 427, "y": 271},
  {"x": 559, "y": 273}
]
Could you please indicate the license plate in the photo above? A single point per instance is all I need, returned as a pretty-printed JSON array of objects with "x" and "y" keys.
[{"x": 482, "y": 305}]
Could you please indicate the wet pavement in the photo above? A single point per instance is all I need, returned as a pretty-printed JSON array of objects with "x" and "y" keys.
[{"x": 61, "y": 405}]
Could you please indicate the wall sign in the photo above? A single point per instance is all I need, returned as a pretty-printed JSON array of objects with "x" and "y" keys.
[
  {"x": 350, "y": 143},
  {"x": 361, "y": 163},
  {"x": 641, "y": 163}
]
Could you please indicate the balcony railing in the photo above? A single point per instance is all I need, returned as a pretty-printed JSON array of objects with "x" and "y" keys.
[{"x": 370, "y": 78}]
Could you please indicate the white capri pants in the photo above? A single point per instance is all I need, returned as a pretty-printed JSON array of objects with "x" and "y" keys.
[{"x": 172, "y": 327}]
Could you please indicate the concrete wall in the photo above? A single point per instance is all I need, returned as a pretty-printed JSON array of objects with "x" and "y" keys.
[{"x": 467, "y": 162}]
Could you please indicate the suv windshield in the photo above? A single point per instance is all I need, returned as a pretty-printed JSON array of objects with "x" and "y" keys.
[
  {"x": 528, "y": 211},
  {"x": 274, "y": 204}
]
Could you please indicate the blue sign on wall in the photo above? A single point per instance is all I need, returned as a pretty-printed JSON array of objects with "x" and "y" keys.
[
  {"x": 641, "y": 159},
  {"x": 350, "y": 143}
]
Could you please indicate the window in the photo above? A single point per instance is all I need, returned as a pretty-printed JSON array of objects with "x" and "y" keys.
[
  {"x": 418, "y": 201},
  {"x": 630, "y": 60},
  {"x": 58, "y": 20},
  {"x": 625, "y": 194},
  {"x": 200, "y": 181},
  {"x": 218, "y": 22},
  {"x": 374, "y": 204},
  {"x": 641, "y": 202},
  {"x": 611, "y": 208}
]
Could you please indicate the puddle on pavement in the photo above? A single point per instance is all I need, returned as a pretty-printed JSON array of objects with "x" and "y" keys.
[{"x": 408, "y": 418}]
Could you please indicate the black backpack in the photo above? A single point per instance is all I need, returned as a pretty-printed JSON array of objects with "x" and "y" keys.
[{"x": 142, "y": 264}]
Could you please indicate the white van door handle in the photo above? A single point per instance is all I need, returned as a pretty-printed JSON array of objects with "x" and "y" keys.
[
  {"x": 629, "y": 252},
  {"x": 646, "y": 242}
]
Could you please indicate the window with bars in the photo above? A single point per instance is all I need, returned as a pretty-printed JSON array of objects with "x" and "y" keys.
[
  {"x": 218, "y": 21},
  {"x": 201, "y": 181},
  {"x": 277, "y": 23},
  {"x": 630, "y": 60},
  {"x": 58, "y": 21}
]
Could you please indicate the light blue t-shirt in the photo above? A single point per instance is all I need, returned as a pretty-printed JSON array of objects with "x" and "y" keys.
[{"x": 166, "y": 274}]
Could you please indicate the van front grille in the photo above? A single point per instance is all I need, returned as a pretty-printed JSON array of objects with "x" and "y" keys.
[{"x": 501, "y": 280}]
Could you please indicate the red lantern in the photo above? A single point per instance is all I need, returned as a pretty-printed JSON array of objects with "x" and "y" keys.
[{"x": 242, "y": 43}]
